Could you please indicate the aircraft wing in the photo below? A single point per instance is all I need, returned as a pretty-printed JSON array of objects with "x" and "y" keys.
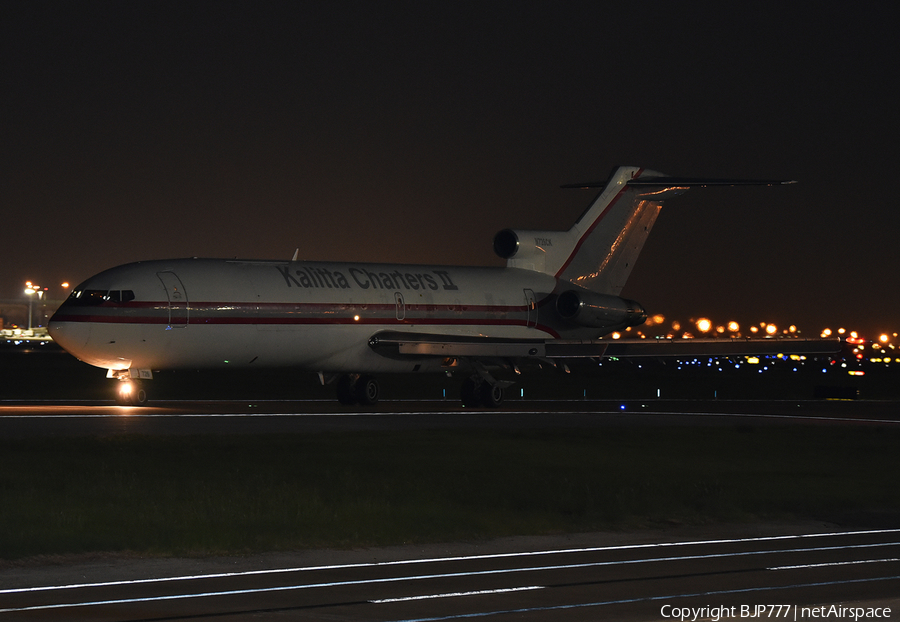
[{"x": 396, "y": 344}]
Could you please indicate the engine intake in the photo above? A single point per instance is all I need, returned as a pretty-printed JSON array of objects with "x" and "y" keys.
[
  {"x": 519, "y": 243},
  {"x": 587, "y": 308}
]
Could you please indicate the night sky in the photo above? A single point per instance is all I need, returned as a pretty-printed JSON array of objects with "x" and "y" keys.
[{"x": 413, "y": 131}]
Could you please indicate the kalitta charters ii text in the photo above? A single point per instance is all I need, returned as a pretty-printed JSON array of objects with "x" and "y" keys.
[{"x": 784, "y": 612}]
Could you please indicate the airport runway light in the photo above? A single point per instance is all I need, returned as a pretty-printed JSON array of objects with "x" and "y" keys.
[
  {"x": 734, "y": 326},
  {"x": 703, "y": 325},
  {"x": 883, "y": 338},
  {"x": 771, "y": 329}
]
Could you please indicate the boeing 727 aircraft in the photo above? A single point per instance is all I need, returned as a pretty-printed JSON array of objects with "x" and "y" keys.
[{"x": 557, "y": 295}]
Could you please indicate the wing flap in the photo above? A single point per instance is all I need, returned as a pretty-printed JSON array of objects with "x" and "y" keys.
[{"x": 423, "y": 344}]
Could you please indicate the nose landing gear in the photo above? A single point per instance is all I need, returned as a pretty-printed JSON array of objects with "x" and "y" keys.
[{"x": 131, "y": 393}]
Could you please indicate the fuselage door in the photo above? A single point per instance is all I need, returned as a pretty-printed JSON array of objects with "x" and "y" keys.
[
  {"x": 178, "y": 301},
  {"x": 531, "y": 309},
  {"x": 401, "y": 306}
]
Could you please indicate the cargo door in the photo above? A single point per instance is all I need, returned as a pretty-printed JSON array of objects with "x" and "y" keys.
[
  {"x": 178, "y": 301},
  {"x": 400, "y": 306},
  {"x": 531, "y": 309}
]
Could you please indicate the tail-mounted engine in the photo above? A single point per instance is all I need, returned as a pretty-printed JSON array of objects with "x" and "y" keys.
[
  {"x": 532, "y": 250},
  {"x": 586, "y": 308}
]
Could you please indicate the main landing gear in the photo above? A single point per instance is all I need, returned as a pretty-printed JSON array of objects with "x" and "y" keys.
[
  {"x": 477, "y": 391},
  {"x": 356, "y": 389}
]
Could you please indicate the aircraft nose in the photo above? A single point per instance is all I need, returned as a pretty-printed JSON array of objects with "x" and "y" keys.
[{"x": 71, "y": 336}]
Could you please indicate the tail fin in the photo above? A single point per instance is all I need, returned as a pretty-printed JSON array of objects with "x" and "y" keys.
[{"x": 599, "y": 251}]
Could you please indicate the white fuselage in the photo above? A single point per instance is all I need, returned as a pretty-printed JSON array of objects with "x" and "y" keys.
[{"x": 209, "y": 313}]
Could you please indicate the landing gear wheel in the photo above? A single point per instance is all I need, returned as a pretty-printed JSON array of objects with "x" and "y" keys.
[
  {"x": 367, "y": 391},
  {"x": 491, "y": 394},
  {"x": 131, "y": 393},
  {"x": 139, "y": 396}
]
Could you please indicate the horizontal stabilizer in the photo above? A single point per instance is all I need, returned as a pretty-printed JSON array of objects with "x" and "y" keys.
[{"x": 686, "y": 182}]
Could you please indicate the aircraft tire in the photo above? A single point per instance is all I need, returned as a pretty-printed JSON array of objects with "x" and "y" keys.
[
  {"x": 491, "y": 394},
  {"x": 367, "y": 391},
  {"x": 346, "y": 390},
  {"x": 139, "y": 396},
  {"x": 469, "y": 394},
  {"x": 136, "y": 397}
]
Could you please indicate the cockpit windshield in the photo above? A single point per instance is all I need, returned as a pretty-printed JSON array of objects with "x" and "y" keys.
[{"x": 96, "y": 297}]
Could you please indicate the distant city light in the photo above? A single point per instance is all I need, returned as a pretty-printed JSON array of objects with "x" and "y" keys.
[{"x": 703, "y": 325}]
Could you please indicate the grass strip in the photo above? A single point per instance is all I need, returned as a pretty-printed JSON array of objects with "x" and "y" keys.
[{"x": 217, "y": 494}]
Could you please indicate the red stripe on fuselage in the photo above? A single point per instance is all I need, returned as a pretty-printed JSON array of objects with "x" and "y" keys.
[{"x": 298, "y": 314}]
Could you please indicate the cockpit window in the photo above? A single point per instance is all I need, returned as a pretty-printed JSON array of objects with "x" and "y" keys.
[
  {"x": 88, "y": 297},
  {"x": 96, "y": 297},
  {"x": 124, "y": 295}
]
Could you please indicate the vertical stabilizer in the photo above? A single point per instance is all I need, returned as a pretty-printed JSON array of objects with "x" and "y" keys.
[
  {"x": 600, "y": 249},
  {"x": 610, "y": 235}
]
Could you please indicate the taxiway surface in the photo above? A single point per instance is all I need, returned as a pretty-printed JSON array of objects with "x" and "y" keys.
[
  {"x": 782, "y": 574},
  {"x": 637, "y": 576},
  {"x": 40, "y": 418}
]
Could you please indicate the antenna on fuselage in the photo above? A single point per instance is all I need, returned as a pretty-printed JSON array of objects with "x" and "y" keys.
[{"x": 296, "y": 254}]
